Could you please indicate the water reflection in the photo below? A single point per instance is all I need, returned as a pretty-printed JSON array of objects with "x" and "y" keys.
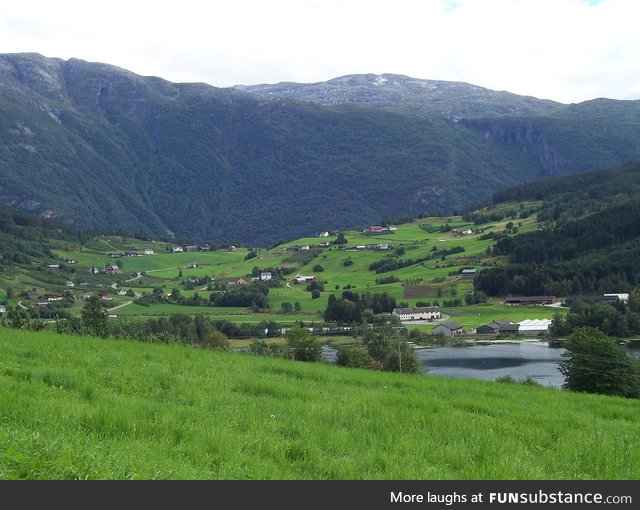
[
  {"x": 534, "y": 359},
  {"x": 526, "y": 359}
]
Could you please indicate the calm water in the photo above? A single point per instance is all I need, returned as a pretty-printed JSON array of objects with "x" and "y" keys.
[
  {"x": 526, "y": 359},
  {"x": 519, "y": 360}
]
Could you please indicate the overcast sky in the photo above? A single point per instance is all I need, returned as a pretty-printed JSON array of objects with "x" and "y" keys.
[{"x": 565, "y": 50}]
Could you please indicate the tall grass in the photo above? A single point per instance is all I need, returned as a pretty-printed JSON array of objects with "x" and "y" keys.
[{"x": 75, "y": 407}]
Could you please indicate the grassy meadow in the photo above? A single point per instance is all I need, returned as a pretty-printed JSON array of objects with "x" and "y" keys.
[
  {"x": 434, "y": 279},
  {"x": 84, "y": 408}
]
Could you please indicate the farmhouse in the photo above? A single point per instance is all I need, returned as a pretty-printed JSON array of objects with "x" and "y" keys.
[
  {"x": 530, "y": 300},
  {"x": 304, "y": 279},
  {"x": 148, "y": 251},
  {"x": 428, "y": 313},
  {"x": 377, "y": 229},
  {"x": 94, "y": 270},
  {"x": 53, "y": 266},
  {"x": 192, "y": 265},
  {"x": 323, "y": 234},
  {"x": 232, "y": 249},
  {"x": 236, "y": 281},
  {"x": 506, "y": 329},
  {"x": 448, "y": 328},
  {"x": 468, "y": 273},
  {"x": 191, "y": 248},
  {"x": 112, "y": 270},
  {"x": 266, "y": 276},
  {"x": 3, "y": 308},
  {"x": 492, "y": 328},
  {"x": 71, "y": 261},
  {"x": 177, "y": 249}
]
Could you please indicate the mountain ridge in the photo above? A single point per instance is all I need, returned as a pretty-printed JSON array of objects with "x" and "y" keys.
[
  {"x": 93, "y": 144},
  {"x": 410, "y": 94}
]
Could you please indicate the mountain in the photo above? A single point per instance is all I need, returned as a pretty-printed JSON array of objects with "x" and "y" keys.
[
  {"x": 454, "y": 100},
  {"x": 93, "y": 144}
]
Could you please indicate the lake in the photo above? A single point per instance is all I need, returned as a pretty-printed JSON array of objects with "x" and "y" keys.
[{"x": 520, "y": 360}]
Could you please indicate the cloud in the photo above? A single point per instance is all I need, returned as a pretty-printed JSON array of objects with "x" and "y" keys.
[{"x": 567, "y": 50}]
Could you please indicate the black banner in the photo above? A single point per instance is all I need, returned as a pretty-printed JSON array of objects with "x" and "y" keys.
[{"x": 280, "y": 495}]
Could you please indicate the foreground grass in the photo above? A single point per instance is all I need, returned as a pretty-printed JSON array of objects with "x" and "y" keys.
[{"x": 76, "y": 407}]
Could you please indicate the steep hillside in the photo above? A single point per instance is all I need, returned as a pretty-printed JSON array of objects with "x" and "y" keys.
[
  {"x": 97, "y": 145},
  {"x": 590, "y": 241}
]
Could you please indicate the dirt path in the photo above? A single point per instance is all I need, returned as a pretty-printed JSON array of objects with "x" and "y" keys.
[{"x": 119, "y": 306}]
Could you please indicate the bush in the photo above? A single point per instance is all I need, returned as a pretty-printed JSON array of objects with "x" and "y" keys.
[
  {"x": 353, "y": 356},
  {"x": 595, "y": 364}
]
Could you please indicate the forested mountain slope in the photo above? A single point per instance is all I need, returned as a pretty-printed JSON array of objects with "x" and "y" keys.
[
  {"x": 590, "y": 244},
  {"x": 92, "y": 144}
]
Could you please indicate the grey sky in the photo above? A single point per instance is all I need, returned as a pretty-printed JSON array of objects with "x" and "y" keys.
[{"x": 566, "y": 50}]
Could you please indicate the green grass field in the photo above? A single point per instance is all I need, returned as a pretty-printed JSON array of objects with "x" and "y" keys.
[
  {"x": 83, "y": 408},
  {"x": 433, "y": 279}
]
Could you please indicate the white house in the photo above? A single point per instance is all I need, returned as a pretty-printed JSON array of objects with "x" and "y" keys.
[
  {"x": 177, "y": 249},
  {"x": 304, "y": 279},
  {"x": 3, "y": 308},
  {"x": 428, "y": 313},
  {"x": 148, "y": 251},
  {"x": 323, "y": 234},
  {"x": 266, "y": 276},
  {"x": 392, "y": 228}
]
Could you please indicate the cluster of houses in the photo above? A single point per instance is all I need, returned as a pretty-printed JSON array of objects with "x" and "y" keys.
[
  {"x": 453, "y": 328},
  {"x": 132, "y": 253},
  {"x": 457, "y": 232},
  {"x": 378, "y": 229},
  {"x": 194, "y": 247},
  {"x": 499, "y": 327},
  {"x": 265, "y": 276},
  {"x": 371, "y": 246}
]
